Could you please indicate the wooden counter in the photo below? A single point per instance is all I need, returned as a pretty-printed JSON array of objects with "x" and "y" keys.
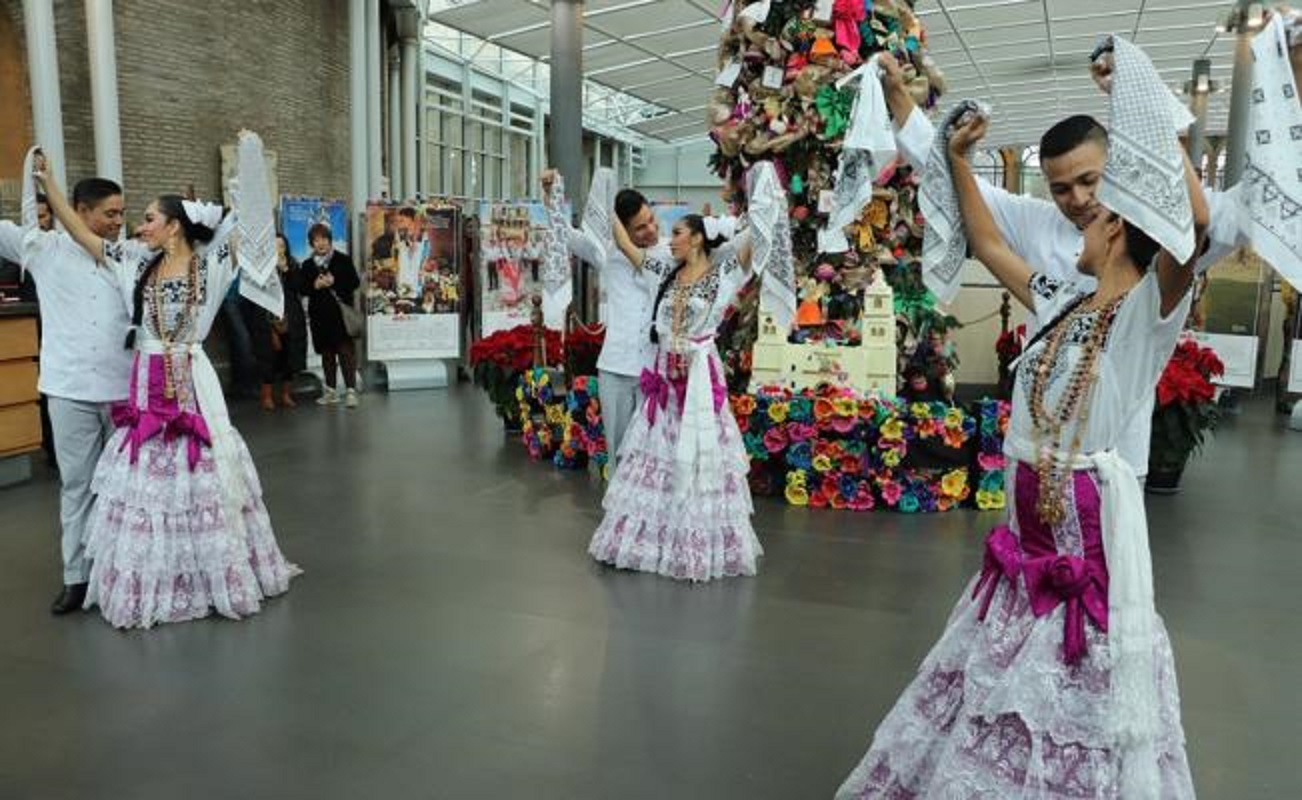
[{"x": 20, "y": 413}]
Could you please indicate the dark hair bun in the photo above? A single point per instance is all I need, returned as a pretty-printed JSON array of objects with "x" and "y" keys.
[{"x": 199, "y": 233}]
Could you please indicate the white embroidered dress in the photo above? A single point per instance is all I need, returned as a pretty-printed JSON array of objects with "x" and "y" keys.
[
  {"x": 680, "y": 504},
  {"x": 1054, "y": 677},
  {"x": 179, "y": 527}
]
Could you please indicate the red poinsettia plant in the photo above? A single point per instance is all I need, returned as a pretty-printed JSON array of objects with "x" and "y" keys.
[
  {"x": 1186, "y": 405},
  {"x": 499, "y": 359}
]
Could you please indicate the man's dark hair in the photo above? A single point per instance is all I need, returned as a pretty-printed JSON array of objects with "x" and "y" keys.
[
  {"x": 627, "y": 203},
  {"x": 1071, "y": 133},
  {"x": 90, "y": 192},
  {"x": 41, "y": 199},
  {"x": 408, "y": 212}
]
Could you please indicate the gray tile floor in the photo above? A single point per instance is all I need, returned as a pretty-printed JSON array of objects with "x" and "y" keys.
[{"x": 451, "y": 639}]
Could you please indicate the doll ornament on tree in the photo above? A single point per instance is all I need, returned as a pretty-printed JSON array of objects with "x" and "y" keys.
[{"x": 792, "y": 101}]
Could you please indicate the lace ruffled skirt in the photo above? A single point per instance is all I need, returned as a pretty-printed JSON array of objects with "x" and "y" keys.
[
  {"x": 162, "y": 545},
  {"x": 1012, "y": 702},
  {"x": 696, "y": 534}
]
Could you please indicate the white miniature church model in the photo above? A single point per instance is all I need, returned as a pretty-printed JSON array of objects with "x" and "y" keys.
[{"x": 868, "y": 367}]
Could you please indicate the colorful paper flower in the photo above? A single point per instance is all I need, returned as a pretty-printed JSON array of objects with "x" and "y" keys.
[
  {"x": 778, "y": 412},
  {"x": 743, "y": 405},
  {"x": 954, "y": 484},
  {"x": 893, "y": 429},
  {"x": 891, "y": 491}
]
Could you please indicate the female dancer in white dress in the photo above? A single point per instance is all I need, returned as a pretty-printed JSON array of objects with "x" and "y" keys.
[
  {"x": 1054, "y": 677},
  {"x": 179, "y": 527},
  {"x": 679, "y": 504}
]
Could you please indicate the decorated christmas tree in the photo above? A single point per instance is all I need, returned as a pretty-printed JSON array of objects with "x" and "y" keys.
[{"x": 778, "y": 99}]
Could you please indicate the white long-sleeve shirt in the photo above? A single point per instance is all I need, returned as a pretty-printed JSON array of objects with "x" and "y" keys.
[
  {"x": 628, "y": 293},
  {"x": 83, "y": 318},
  {"x": 1038, "y": 232}
]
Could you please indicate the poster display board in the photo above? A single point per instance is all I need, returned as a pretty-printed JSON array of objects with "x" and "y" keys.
[
  {"x": 413, "y": 293},
  {"x": 299, "y": 214},
  {"x": 1295, "y": 368},
  {"x": 1237, "y": 353},
  {"x": 510, "y": 260}
]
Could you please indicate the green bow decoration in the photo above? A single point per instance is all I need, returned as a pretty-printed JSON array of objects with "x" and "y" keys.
[
  {"x": 913, "y": 301},
  {"x": 834, "y": 106}
]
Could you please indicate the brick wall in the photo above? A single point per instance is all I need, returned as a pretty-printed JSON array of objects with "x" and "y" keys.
[{"x": 191, "y": 74}]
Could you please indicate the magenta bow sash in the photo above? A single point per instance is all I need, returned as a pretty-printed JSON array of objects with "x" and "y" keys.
[
  {"x": 655, "y": 388},
  {"x": 145, "y": 424},
  {"x": 1054, "y": 579},
  {"x": 162, "y": 415},
  {"x": 1003, "y": 559}
]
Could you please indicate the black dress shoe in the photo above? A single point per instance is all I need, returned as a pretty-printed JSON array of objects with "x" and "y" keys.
[{"x": 70, "y": 599}]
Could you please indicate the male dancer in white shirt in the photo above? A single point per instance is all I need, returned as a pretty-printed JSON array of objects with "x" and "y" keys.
[
  {"x": 628, "y": 294},
  {"x": 1050, "y": 235},
  {"x": 84, "y": 366}
]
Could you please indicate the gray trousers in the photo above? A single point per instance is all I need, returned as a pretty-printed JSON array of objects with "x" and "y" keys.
[
  {"x": 619, "y": 396},
  {"x": 80, "y": 431}
]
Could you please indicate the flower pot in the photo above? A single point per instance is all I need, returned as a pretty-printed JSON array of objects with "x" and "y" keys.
[{"x": 1163, "y": 480}]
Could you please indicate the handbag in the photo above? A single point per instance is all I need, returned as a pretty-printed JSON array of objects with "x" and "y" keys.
[{"x": 353, "y": 320}]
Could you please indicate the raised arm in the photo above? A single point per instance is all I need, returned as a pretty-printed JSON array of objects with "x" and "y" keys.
[
  {"x": 577, "y": 241},
  {"x": 898, "y": 99},
  {"x": 63, "y": 211},
  {"x": 983, "y": 235},
  {"x": 624, "y": 242},
  {"x": 1174, "y": 278}
]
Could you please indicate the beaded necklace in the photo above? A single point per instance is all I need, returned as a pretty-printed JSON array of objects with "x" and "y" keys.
[
  {"x": 171, "y": 380},
  {"x": 1074, "y": 404},
  {"x": 678, "y": 322}
]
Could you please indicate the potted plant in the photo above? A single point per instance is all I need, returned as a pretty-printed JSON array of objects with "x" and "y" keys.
[
  {"x": 1183, "y": 414},
  {"x": 498, "y": 362}
]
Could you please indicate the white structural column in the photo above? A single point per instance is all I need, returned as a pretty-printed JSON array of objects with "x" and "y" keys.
[
  {"x": 43, "y": 76},
  {"x": 104, "y": 88},
  {"x": 412, "y": 106},
  {"x": 374, "y": 61},
  {"x": 357, "y": 110},
  {"x": 397, "y": 189}
]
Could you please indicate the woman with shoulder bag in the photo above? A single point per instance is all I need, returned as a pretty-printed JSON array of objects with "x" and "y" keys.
[{"x": 330, "y": 280}]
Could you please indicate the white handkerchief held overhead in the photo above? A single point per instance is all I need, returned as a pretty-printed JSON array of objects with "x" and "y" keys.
[
  {"x": 944, "y": 240},
  {"x": 1144, "y": 180},
  {"x": 29, "y": 212},
  {"x": 255, "y": 225},
  {"x": 869, "y": 146},
  {"x": 771, "y": 256},
  {"x": 557, "y": 280},
  {"x": 1270, "y": 198}
]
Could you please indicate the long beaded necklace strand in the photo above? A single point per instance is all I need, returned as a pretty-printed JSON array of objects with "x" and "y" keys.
[
  {"x": 1073, "y": 404},
  {"x": 678, "y": 322},
  {"x": 183, "y": 321}
]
